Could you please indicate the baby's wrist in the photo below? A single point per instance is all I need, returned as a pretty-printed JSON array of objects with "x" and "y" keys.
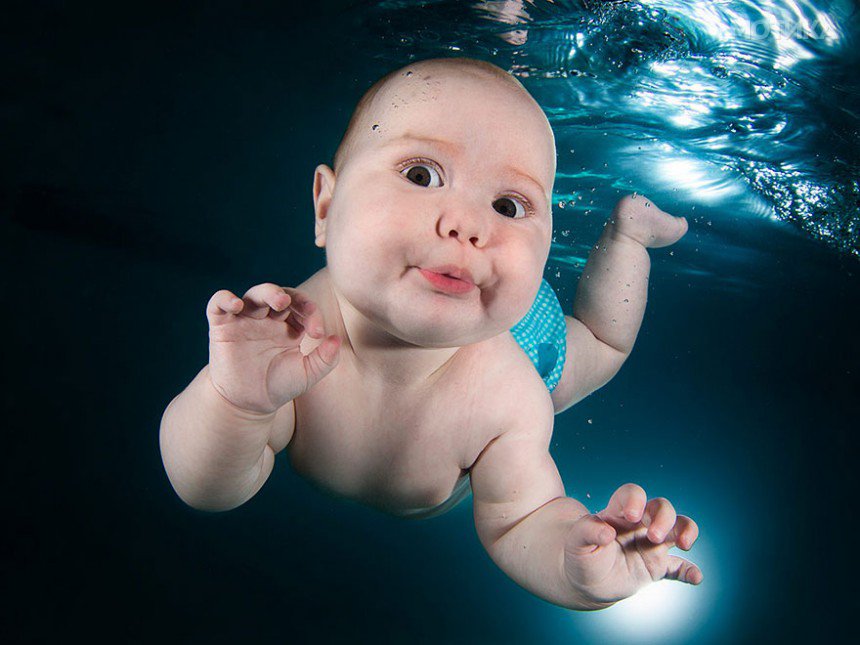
[{"x": 227, "y": 408}]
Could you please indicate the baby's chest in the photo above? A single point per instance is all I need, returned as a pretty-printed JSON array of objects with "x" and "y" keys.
[{"x": 397, "y": 450}]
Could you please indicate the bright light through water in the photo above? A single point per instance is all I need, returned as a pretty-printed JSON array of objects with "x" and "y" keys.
[
  {"x": 703, "y": 180},
  {"x": 664, "y": 611}
]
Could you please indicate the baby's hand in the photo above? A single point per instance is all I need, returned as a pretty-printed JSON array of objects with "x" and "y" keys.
[
  {"x": 637, "y": 217},
  {"x": 254, "y": 357},
  {"x": 612, "y": 554}
]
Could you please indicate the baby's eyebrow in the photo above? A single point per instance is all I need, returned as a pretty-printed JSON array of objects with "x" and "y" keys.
[
  {"x": 528, "y": 178},
  {"x": 441, "y": 143}
]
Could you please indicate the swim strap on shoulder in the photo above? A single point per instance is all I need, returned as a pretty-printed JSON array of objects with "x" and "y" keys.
[{"x": 542, "y": 334}]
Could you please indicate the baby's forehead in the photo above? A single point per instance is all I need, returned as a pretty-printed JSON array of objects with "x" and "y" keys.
[{"x": 439, "y": 96}]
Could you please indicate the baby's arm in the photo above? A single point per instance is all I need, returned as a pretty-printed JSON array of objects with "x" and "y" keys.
[
  {"x": 611, "y": 296},
  {"x": 217, "y": 456},
  {"x": 219, "y": 436},
  {"x": 550, "y": 544}
]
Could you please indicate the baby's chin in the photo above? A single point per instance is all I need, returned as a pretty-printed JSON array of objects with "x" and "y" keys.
[
  {"x": 436, "y": 338},
  {"x": 440, "y": 327}
]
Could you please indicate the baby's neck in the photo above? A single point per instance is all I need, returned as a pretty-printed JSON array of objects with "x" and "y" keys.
[{"x": 386, "y": 362}]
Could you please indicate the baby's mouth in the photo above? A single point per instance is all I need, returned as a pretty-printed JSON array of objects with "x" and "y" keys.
[{"x": 446, "y": 282}]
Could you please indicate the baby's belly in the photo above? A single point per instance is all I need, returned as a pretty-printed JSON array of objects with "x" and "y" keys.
[{"x": 393, "y": 460}]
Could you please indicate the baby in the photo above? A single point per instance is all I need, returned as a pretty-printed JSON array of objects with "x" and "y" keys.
[{"x": 394, "y": 376}]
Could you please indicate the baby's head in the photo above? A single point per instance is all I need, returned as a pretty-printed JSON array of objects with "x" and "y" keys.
[{"x": 444, "y": 162}]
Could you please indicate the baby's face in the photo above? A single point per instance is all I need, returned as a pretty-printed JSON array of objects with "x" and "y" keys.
[{"x": 451, "y": 168}]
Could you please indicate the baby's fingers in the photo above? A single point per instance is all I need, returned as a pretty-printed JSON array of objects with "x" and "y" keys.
[
  {"x": 659, "y": 518},
  {"x": 304, "y": 314},
  {"x": 588, "y": 533},
  {"x": 263, "y": 298},
  {"x": 626, "y": 506},
  {"x": 683, "y": 571},
  {"x": 223, "y": 305},
  {"x": 684, "y": 533}
]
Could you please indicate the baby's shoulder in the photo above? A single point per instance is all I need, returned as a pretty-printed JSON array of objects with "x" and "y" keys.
[{"x": 506, "y": 378}]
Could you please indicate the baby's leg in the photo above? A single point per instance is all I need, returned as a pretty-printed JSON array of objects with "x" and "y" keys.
[{"x": 613, "y": 289}]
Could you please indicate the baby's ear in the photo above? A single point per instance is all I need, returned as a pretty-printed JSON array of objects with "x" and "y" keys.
[{"x": 324, "y": 180}]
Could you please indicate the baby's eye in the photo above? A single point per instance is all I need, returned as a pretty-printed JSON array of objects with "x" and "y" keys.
[
  {"x": 510, "y": 207},
  {"x": 422, "y": 174}
]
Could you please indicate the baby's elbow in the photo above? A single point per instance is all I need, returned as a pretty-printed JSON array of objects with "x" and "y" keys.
[
  {"x": 204, "y": 493},
  {"x": 208, "y": 501}
]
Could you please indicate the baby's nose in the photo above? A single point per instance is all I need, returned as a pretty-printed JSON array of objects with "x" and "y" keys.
[{"x": 464, "y": 220}]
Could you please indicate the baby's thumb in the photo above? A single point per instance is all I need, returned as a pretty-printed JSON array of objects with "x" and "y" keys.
[
  {"x": 322, "y": 359},
  {"x": 588, "y": 533}
]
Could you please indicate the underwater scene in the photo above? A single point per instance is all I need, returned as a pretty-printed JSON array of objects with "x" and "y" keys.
[{"x": 153, "y": 155}]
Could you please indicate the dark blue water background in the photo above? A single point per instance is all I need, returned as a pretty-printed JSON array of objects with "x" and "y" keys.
[{"x": 151, "y": 157}]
